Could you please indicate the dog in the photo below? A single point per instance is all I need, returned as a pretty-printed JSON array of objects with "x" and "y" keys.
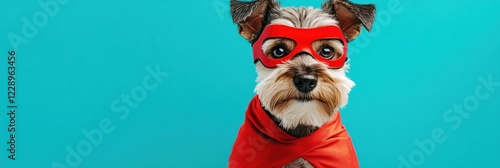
[{"x": 300, "y": 56}]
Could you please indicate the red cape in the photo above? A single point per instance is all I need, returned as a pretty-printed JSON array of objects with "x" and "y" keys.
[{"x": 261, "y": 144}]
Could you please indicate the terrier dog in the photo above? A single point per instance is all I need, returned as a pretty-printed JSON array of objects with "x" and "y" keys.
[{"x": 300, "y": 55}]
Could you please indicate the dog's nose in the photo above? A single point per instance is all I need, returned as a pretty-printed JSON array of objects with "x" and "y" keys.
[{"x": 305, "y": 83}]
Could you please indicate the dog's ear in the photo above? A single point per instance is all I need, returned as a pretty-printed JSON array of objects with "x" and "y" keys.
[
  {"x": 351, "y": 16},
  {"x": 250, "y": 16}
]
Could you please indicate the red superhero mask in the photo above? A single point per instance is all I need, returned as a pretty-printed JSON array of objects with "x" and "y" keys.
[{"x": 303, "y": 37}]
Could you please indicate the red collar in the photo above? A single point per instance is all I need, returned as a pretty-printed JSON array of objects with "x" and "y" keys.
[{"x": 262, "y": 143}]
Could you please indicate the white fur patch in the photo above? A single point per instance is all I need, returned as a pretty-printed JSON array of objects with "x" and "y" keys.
[
  {"x": 307, "y": 113},
  {"x": 344, "y": 85}
]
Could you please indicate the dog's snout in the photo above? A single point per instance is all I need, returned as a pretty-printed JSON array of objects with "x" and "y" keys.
[{"x": 305, "y": 83}]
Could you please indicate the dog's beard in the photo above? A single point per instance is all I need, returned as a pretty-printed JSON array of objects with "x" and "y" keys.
[{"x": 280, "y": 97}]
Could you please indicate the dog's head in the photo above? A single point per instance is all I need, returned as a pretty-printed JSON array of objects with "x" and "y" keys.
[{"x": 301, "y": 78}]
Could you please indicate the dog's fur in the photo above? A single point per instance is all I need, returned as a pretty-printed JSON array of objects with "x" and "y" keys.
[{"x": 298, "y": 113}]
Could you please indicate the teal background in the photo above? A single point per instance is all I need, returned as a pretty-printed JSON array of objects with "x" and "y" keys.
[{"x": 409, "y": 71}]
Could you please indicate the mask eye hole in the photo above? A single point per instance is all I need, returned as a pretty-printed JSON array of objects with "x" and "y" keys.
[
  {"x": 279, "y": 51},
  {"x": 278, "y": 47},
  {"x": 330, "y": 49},
  {"x": 327, "y": 52}
]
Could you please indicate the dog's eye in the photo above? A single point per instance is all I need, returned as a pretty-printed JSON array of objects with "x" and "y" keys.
[
  {"x": 327, "y": 52},
  {"x": 279, "y": 52}
]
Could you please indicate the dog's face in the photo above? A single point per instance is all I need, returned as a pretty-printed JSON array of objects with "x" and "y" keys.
[{"x": 302, "y": 90}]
